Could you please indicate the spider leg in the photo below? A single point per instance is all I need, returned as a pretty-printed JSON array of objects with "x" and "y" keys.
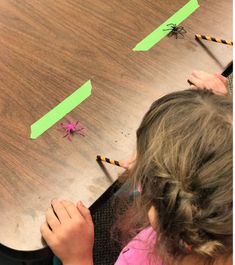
[
  {"x": 66, "y": 134},
  {"x": 171, "y": 34},
  {"x": 171, "y": 24},
  {"x": 64, "y": 126},
  {"x": 80, "y": 131},
  {"x": 166, "y": 29},
  {"x": 59, "y": 128},
  {"x": 78, "y": 125},
  {"x": 83, "y": 135},
  {"x": 181, "y": 34},
  {"x": 181, "y": 29}
]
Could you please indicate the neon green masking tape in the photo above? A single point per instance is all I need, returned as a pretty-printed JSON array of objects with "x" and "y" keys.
[
  {"x": 154, "y": 37},
  {"x": 60, "y": 110}
]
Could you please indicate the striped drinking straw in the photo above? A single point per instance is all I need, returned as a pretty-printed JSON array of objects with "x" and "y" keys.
[
  {"x": 205, "y": 37},
  {"x": 110, "y": 161}
]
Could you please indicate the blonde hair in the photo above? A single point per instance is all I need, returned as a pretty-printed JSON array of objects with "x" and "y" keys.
[{"x": 184, "y": 166}]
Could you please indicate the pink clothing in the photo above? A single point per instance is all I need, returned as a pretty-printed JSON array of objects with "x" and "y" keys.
[{"x": 139, "y": 251}]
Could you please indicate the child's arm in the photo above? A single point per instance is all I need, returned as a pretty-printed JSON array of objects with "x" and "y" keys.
[{"x": 69, "y": 232}]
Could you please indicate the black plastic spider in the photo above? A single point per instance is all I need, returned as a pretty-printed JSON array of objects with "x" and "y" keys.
[{"x": 175, "y": 30}]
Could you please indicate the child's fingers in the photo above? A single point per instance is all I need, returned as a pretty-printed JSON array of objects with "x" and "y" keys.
[
  {"x": 125, "y": 164},
  {"x": 196, "y": 81},
  {"x": 221, "y": 78},
  {"x": 195, "y": 73},
  {"x": 51, "y": 219},
  {"x": 60, "y": 211},
  {"x": 128, "y": 164},
  {"x": 47, "y": 234},
  {"x": 85, "y": 212},
  {"x": 201, "y": 74},
  {"x": 217, "y": 73},
  {"x": 71, "y": 209}
]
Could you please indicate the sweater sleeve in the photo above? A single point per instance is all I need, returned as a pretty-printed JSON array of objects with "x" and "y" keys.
[
  {"x": 121, "y": 260},
  {"x": 140, "y": 250}
]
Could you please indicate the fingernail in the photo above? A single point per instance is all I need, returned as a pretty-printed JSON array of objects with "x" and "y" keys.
[
  {"x": 80, "y": 203},
  {"x": 54, "y": 200}
]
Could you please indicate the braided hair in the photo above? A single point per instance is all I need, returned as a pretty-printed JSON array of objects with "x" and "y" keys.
[{"x": 184, "y": 166}]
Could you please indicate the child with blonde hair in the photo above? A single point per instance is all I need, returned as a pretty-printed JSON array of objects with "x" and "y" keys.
[{"x": 183, "y": 214}]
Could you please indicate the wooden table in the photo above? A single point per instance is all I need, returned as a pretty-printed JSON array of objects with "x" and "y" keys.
[{"x": 48, "y": 49}]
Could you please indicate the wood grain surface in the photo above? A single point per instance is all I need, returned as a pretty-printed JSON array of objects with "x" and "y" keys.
[{"x": 48, "y": 49}]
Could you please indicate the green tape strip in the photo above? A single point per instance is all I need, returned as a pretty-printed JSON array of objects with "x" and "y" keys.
[
  {"x": 154, "y": 37},
  {"x": 60, "y": 110}
]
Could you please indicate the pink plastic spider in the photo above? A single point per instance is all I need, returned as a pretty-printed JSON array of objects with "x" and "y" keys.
[{"x": 70, "y": 128}]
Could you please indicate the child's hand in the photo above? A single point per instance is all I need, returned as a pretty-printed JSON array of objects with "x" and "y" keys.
[
  {"x": 216, "y": 81},
  {"x": 128, "y": 164},
  {"x": 71, "y": 236}
]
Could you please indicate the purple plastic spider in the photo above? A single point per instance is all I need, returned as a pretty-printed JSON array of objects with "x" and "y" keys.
[{"x": 70, "y": 128}]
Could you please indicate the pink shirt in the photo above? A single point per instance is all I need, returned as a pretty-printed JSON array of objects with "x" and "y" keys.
[{"x": 139, "y": 251}]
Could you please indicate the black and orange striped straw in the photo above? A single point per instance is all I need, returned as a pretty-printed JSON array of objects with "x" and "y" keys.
[
  {"x": 110, "y": 161},
  {"x": 218, "y": 40}
]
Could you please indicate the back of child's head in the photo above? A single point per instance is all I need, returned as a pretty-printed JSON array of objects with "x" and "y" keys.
[{"x": 184, "y": 166}]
